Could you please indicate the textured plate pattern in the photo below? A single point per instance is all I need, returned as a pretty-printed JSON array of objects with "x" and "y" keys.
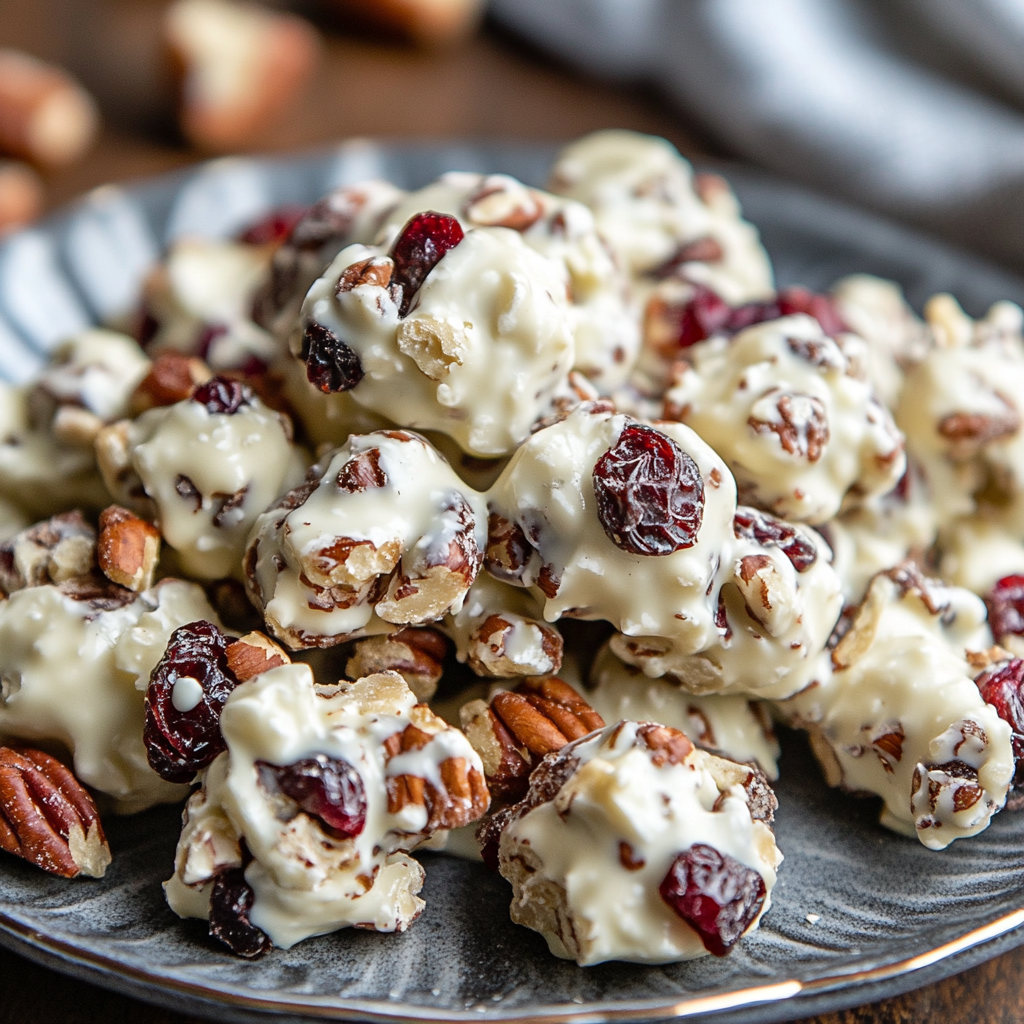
[{"x": 882, "y": 900}]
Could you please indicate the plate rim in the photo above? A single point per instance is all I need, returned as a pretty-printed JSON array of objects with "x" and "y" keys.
[{"x": 780, "y": 998}]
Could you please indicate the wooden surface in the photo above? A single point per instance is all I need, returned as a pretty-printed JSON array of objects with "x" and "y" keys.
[{"x": 486, "y": 88}]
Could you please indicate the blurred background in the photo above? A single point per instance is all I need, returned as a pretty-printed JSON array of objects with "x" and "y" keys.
[{"x": 914, "y": 108}]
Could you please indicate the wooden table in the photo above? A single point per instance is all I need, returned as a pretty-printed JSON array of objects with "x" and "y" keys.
[{"x": 489, "y": 87}]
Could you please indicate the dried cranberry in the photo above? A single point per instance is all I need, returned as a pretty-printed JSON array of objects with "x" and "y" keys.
[
  {"x": 331, "y": 365},
  {"x": 821, "y": 307},
  {"x": 419, "y": 248},
  {"x": 1006, "y": 607},
  {"x": 714, "y": 894},
  {"x": 704, "y": 315},
  {"x": 325, "y": 788},
  {"x": 222, "y": 394},
  {"x": 275, "y": 227},
  {"x": 1002, "y": 686},
  {"x": 180, "y": 743},
  {"x": 231, "y": 899},
  {"x": 767, "y": 530},
  {"x": 650, "y": 495}
]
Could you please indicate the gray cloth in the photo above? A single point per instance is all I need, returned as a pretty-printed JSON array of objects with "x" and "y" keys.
[{"x": 911, "y": 107}]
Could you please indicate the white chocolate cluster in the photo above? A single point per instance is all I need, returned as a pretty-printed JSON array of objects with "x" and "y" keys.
[
  {"x": 415, "y": 775},
  {"x": 658, "y": 217},
  {"x": 546, "y": 534},
  {"x": 733, "y": 725},
  {"x": 480, "y": 353},
  {"x": 901, "y": 717},
  {"x": 787, "y": 409},
  {"x": 602, "y": 826},
  {"x": 207, "y": 474},
  {"x": 383, "y": 531},
  {"x": 778, "y": 602},
  {"x": 75, "y": 660}
]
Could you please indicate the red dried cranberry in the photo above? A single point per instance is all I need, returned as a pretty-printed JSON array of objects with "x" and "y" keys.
[
  {"x": 767, "y": 530},
  {"x": 1001, "y": 686},
  {"x": 650, "y": 495},
  {"x": 821, "y": 307},
  {"x": 325, "y": 788},
  {"x": 146, "y": 328},
  {"x": 331, "y": 365},
  {"x": 704, "y": 315},
  {"x": 419, "y": 248},
  {"x": 1006, "y": 607},
  {"x": 714, "y": 894},
  {"x": 275, "y": 227},
  {"x": 180, "y": 743},
  {"x": 231, "y": 900},
  {"x": 222, "y": 394}
]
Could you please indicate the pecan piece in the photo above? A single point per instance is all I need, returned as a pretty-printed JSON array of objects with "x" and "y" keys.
[
  {"x": 47, "y": 818},
  {"x": 417, "y": 655},
  {"x": 801, "y": 424},
  {"x": 509, "y": 645},
  {"x": 172, "y": 378},
  {"x": 128, "y": 548},
  {"x": 253, "y": 654}
]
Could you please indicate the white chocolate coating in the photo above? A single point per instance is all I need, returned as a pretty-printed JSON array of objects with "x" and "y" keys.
[
  {"x": 210, "y": 475},
  {"x": 576, "y": 569},
  {"x": 777, "y": 621},
  {"x": 645, "y": 203},
  {"x": 960, "y": 409},
  {"x": 76, "y": 675},
  {"x": 320, "y": 563},
  {"x": 896, "y": 337},
  {"x": 564, "y": 857},
  {"x": 307, "y": 882},
  {"x": 902, "y": 705},
  {"x": 733, "y": 725},
  {"x": 201, "y": 297},
  {"x": 605, "y": 326},
  {"x": 780, "y": 403},
  {"x": 488, "y": 340},
  {"x": 977, "y": 552}
]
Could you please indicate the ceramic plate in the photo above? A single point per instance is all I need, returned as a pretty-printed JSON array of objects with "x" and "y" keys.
[{"x": 888, "y": 915}]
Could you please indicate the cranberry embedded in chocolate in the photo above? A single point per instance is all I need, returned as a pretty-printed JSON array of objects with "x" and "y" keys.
[
  {"x": 331, "y": 365},
  {"x": 275, "y": 227},
  {"x": 419, "y": 248},
  {"x": 222, "y": 395},
  {"x": 231, "y": 899},
  {"x": 325, "y": 788},
  {"x": 1006, "y": 607},
  {"x": 650, "y": 495},
  {"x": 714, "y": 894},
  {"x": 1001, "y": 685},
  {"x": 821, "y": 307},
  {"x": 704, "y": 315},
  {"x": 186, "y": 695},
  {"x": 767, "y": 530}
]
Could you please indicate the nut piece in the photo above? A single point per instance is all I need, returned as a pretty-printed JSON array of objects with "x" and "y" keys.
[
  {"x": 417, "y": 655},
  {"x": 128, "y": 548},
  {"x": 541, "y": 715},
  {"x": 252, "y": 654},
  {"x": 45, "y": 116},
  {"x": 495, "y": 647},
  {"x": 53, "y": 551},
  {"x": 240, "y": 68},
  {"x": 172, "y": 378},
  {"x": 47, "y": 818},
  {"x": 21, "y": 195}
]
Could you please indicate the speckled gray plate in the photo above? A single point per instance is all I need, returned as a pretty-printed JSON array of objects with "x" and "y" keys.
[{"x": 891, "y": 915}]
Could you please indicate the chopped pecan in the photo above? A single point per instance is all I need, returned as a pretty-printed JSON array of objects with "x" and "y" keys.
[
  {"x": 503, "y": 204},
  {"x": 375, "y": 271},
  {"x": 509, "y": 645},
  {"x": 968, "y": 432},
  {"x": 801, "y": 424},
  {"x": 508, "y": 550},
  {"x": 128, "y": 548},
  {"x": 172, "y": 378},
  {"x": 46, "y": 816},
  {"x": 669, "y": 745},
  {"x": 53, "y": 551},
  {"x": 417, "y": 655},
  {"x": 253, "y": 654}
]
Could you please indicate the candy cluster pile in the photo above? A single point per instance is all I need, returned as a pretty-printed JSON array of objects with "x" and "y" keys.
[{"x": 316, "y": 540}]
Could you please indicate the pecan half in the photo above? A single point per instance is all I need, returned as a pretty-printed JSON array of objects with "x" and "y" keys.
[
  {"x": 417, "y": 655},
  {"x": 47, "y": 818},
  {"x": 128, "y": 548}
]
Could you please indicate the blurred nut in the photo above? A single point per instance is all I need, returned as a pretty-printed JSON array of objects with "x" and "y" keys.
[
  {"x": 427, "y": 21},
  {"x": 172, "y": 378},
  {"x": 45, "y": 115},
  {"x": 21, "y": 195},
  {"x": 240, "y": 67}
]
